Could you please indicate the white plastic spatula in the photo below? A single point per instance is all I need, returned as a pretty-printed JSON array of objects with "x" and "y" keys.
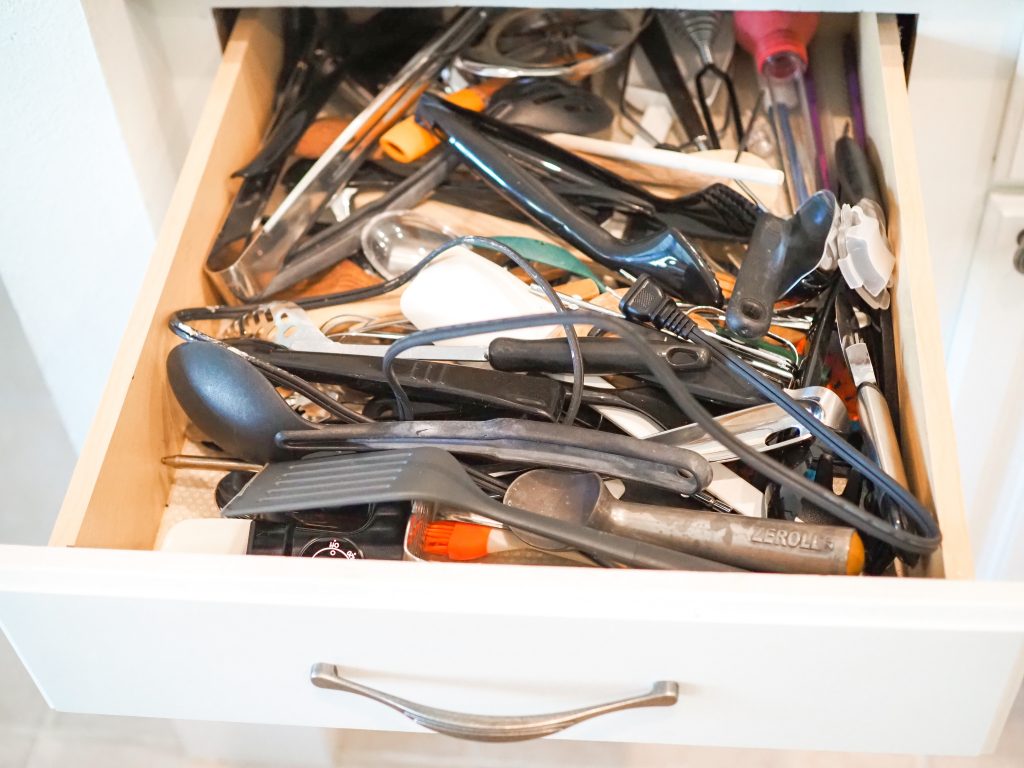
[{"x": 467, "y": 288}]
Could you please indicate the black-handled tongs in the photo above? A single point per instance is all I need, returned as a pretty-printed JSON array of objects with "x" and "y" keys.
[
  {"x": 716, "y": 212},
  {"x": 666, "y": 255}
]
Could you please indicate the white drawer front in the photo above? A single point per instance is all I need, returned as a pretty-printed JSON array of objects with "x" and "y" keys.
[{"x": 777, "y": 662}]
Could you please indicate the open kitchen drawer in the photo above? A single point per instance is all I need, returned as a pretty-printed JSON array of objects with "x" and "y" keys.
[{"x": 927, "y": 665}]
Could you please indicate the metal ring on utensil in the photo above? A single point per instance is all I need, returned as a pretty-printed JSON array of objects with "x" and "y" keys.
[{"x": 532, "y": 42}]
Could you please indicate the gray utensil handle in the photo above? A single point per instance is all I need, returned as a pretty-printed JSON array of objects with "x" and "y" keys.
[
  {"x": 876, "y": 421},
  {"x": 463, "y": 725}
]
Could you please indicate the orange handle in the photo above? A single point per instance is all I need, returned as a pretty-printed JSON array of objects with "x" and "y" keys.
[
  {"x": 408, "y": 141},
  {"x": 319, "y": 136}
]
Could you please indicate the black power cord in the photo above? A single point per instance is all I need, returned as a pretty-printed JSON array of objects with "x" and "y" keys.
[
  {"x": 575, "y": 353},
  {"x": 646, "y": 302},
  {"x": 907, "y": 541},
  {"x": 179, "y": 324}
]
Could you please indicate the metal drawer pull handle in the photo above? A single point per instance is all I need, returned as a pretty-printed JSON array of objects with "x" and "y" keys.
[{"x": 461, "y": 725}]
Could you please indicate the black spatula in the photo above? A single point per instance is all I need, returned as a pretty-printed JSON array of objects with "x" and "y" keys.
[{"x": 430, "y": 474}]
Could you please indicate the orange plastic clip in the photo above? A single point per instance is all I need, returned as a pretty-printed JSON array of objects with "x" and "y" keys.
[{"x": 408, "y": 141}]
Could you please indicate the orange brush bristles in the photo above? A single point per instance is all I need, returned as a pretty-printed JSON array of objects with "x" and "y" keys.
[{"x": 456, "y": 541}]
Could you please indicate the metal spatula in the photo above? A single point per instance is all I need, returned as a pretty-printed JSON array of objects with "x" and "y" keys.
[{"x": 430, "y": 474}]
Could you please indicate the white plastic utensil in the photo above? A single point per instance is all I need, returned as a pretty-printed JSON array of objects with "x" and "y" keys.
[
  {"x": 467, "y": 288},
  {"x": 693, "y": 162}
]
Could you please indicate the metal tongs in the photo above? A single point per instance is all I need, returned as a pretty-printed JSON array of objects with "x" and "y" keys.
[
  {"x": 875, "y": 418},
  {"x": 248, "y": 276},
  {"x": 872, "y": 406}
]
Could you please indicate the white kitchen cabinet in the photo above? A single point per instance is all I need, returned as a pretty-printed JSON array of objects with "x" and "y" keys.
[
  {"x": 106, "y": 626},
  {"x": 985, "y": 361}
]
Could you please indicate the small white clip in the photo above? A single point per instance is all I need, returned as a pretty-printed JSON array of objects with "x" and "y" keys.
[
  {"x": 859, "y": 245},
  {"x": 294, "y": 329}
]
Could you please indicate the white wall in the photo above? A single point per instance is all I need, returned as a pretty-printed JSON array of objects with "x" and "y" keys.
[
  {"x": 159, "y": 58},
  {"x": 76, "y": 236}
]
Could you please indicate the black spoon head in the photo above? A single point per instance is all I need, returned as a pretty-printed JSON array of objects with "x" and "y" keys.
[{"x": 230, "y": 401}]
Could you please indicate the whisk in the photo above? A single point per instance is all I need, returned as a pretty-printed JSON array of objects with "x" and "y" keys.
[{"x": 701, "y": 28}]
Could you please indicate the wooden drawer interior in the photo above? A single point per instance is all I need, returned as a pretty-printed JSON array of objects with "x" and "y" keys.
[{"x": 119, "y": 490}]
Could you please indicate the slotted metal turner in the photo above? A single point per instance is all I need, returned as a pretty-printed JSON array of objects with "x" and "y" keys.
[{"x": 429, "y": 474}]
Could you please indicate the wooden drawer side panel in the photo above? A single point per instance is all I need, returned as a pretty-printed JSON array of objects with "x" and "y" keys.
[
  {"x": 119, "y": 488},
  {"x": 925, "y": 415}
]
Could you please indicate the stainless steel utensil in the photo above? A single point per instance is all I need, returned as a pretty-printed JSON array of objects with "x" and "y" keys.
[
  {"x": 875, "y": 418},
  {"x": 763, "y": 427},
  {"x": 248, "y": 276},
  {"x": 777, "y": 546},
  {"x": 534, "y": 42}
]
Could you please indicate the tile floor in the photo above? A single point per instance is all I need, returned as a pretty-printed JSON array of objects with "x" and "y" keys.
[{"x": 37, "y": 460}]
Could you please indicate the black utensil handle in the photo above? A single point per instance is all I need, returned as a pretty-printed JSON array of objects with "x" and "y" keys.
[
  {"x": 430, "y": 381},
  {"x": 782, "y": 253},
  {"x": 716, "y": 385},
  {"x": 759, "y": 281},
  {"x": 667, "y": 256},
  {"x": 599, "y": 356},
  {"x": 715, "y": 212},
  {"x": 856, "y": 176}
]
